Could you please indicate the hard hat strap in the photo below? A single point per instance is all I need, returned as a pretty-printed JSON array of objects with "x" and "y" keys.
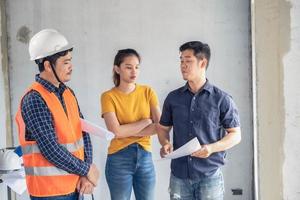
[{"x": 55, "y": 74}]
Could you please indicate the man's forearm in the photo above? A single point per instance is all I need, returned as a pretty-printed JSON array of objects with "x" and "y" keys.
[
  {"x": 163, "y": 134},
  {"x": 232, "y": 138}
]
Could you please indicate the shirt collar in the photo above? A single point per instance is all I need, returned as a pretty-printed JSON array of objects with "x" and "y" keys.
[
  {"x": 207, "y": 86},
  {"x": 49, "y": 86}
]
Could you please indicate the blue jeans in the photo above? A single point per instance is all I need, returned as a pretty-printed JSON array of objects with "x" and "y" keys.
[
  {"x": 206, "y": 188},
  {"x": 131, "y": 167},
  {"x": 72, "y": 196}
]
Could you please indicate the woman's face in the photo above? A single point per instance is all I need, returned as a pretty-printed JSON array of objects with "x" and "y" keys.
[{"x": 128, "y": 70}]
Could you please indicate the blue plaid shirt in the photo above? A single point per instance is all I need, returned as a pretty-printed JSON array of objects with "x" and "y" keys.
[{"x": 40, "y": 128}]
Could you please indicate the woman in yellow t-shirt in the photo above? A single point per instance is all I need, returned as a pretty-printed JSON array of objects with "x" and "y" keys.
[{"x": 131, "y": 112}]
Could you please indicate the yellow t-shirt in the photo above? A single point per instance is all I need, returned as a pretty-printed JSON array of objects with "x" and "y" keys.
[{"x": 129, "y": 108}]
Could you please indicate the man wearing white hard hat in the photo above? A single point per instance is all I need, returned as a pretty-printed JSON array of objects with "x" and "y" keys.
[{"x": 57, "y": 154}]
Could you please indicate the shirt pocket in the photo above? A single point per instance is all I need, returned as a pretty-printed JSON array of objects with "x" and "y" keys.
[
  {"x": 180, "y": 113},
  {"x": 208, "y": 116}
]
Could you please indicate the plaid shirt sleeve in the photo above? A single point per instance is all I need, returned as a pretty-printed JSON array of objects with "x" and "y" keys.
[{"x": 39, "y": 127}]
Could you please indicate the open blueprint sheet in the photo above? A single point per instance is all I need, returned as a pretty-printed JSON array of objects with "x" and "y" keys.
[
  {"x": 187, "y": 149},
  {"x": 96, "y": 130}
]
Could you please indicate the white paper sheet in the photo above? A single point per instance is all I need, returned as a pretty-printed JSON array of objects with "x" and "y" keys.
[
  {"x": 94, "y": 129},
  {"x": 15, "y": 180},
  {"x": 187, "y": 149}
]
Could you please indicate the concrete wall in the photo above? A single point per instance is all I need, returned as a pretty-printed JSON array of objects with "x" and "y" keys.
[
  {"x": 277, "y": 47},
  {"x": 4, "y": 108},
  {"x": 2, "y": 91},
  {"x": 270, "y": 98},
  {"x": 5, "y": 119},
  {"x": 269, "y": 84},
  {"x": 291, "y": 72},
  {"x": 156, "y": 29}
]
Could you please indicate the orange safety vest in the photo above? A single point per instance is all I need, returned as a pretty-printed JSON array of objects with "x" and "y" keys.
[{"x": 43, "y": 178}]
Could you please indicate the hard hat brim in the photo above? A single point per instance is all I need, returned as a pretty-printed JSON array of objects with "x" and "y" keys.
[{"x": 67, "y": 47}]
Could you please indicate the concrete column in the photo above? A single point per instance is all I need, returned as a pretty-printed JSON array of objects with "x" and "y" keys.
[
  {"x": 291, "y": 62},
  {"x": 271, "y": 31},
  {"x": 5, "y": 126},
  {"x": 5, "y": 117}
]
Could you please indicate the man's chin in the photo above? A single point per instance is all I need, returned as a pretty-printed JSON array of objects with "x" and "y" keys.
[{"x": 66, "y": 80}]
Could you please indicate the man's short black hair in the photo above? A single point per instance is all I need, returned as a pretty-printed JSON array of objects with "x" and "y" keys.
[
  {"x": 52, "y": 59},
  {"x": 201, "y": 50}
]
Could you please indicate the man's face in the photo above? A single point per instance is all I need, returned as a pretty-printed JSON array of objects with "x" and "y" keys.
[
  {"x": 191, "y": 68},
  {"x": 63, "y": 67}
]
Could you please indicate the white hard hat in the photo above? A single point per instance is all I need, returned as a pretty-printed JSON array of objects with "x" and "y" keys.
[
  {"x": 46, "y": 43},
  {"x": 9, "y": 160}
]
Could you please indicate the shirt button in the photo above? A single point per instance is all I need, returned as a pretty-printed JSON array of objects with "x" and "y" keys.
[
  {"x": 190, "y": 158},
  {"x": 193, "y": 109},
  {"x": 191, "y": 121},
  {"x": 194, "y": 98}
]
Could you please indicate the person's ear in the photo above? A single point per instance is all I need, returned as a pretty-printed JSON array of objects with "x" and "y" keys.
[
  {"x": 117, "y": 69},
  {"x": 203, "y": 63},
  {"x": 47, "y": 66}
]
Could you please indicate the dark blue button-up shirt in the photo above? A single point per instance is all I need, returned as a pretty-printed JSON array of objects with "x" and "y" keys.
[
  {"x": 204, "y": 115},
  {"x": 40, "y": 128}
]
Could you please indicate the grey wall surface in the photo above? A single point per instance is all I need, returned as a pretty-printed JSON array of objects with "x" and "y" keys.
[
  {"x": 2, "y": 129},
  {"x": 291, "y": 62},
  {"x": 2, "y": 125},
  {"x": 2, "y": 95},
  {"x": 3, "y": 110},
  {"x": 277, "y": 45},
  {"x": 156, "y": 29},
  {"x": 270, "y": 110}
]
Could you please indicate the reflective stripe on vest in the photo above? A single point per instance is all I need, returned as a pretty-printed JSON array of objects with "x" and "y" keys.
[
  {"x": 45, "y": 171},
  {"x": 71, "y": 147}
]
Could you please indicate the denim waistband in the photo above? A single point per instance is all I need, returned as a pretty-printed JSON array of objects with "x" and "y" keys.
[
  {"x": 133, "y": 145},
  {"x": 55, "y": 197}
]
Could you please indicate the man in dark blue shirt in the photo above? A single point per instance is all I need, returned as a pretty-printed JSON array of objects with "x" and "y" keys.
[{"x": 198, "y": 109}]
